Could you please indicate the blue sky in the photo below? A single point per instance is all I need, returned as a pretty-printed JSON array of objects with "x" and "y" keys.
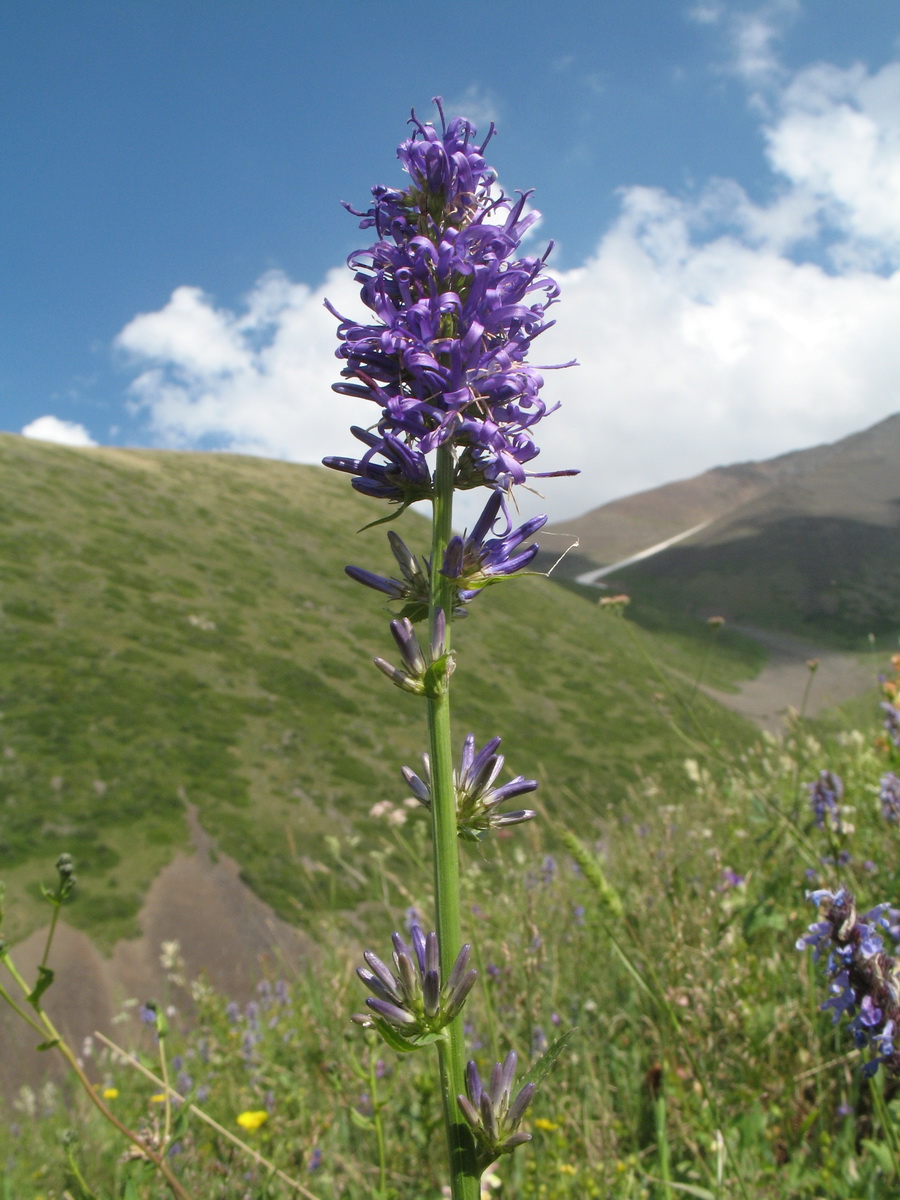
[{"x": 722, "y": 182}]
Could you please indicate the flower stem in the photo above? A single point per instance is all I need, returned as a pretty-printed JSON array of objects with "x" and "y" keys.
[
  {"x": 464, "y": 1178},
  {"x": 378, "y": 1122}
]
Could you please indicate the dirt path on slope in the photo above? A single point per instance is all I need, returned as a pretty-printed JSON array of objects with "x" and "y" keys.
[{"x": 781, "y": 683}]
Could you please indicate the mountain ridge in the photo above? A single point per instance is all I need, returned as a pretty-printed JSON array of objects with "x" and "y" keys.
[
  {"x": 807, "y": 542},
  {"x": 627, "y": 525}
]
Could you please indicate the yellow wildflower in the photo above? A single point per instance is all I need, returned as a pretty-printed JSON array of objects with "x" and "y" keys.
[
  {"x": 252, "y": 1120},
  {"x": 110, "y": 1093},
  {"x": 544, "y": 1125},
  {"x": 158, "y": 1098},
  {"x": 566, "y": 1169}
]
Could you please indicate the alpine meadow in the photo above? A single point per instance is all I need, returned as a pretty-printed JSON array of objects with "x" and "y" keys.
[{"x": 272, "y": 925}]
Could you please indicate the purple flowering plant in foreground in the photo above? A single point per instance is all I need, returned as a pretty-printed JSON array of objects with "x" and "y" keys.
[
  {"x": 864, "y": 977},
  {"x": 454, "y": 310}
]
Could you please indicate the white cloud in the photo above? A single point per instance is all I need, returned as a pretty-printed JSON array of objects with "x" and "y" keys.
[
  {"x": 838, "y": 143},
  {"x": 478, "y": 104},
  {"x": 700, "y": 355},
  {"x": 704, "y": 336},
  {"x": 52, "y": 429},
  {"x": 258, "y": 382},
  {"x": 753, "y": 35},
  {"x": 708, "y": 13}
]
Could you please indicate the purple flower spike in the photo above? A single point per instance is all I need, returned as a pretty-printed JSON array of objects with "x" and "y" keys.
[
  {"x": 477, "y": 800},
  {"x": 864, "y": 980},
  {"x": 889, "y": 794},
  {"x": 489, "y": 1114},
  {"x": 825, "y": 796},
  {"x": 455, "y": 313},
  {"x": 891, "y": 721},
  {"x": 410, "y": 998}
]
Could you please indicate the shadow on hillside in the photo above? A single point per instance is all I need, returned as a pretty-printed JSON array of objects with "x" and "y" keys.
[{"x": 822, "y": 577}]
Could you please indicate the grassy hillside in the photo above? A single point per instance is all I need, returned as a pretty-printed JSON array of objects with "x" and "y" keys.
[{"x": 178, "y": 628}]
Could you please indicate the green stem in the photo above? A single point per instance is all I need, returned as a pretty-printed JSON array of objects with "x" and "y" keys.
[
  {"x": 662, "y": 1141},
  {"x": 86, "y": 1192},
  {"x": 464, "y": 1176},
  {"x": 7, "y": 998},
  {"x": 51, "y": 931},
  {"x": 164, "y": 1073},
  {"x": 884, "y": 1115},
  {"x": 379, "y": 1126}
]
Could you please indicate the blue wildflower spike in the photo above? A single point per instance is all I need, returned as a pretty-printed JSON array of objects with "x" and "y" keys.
[
  {"x": 456, "y": 313},
  {"x": 863, "y": 979}
]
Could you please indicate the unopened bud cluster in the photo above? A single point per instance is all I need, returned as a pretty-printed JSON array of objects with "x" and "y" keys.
[
  {"x": 477, "y": 800},
  {"x": 419, "y": 675},
  {"x": 491, "y": 1113},
  {"x": 411, "y": 998}
]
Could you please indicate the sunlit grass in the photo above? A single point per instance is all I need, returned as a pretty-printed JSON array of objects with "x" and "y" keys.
[{"x": 701, "y": 1062}]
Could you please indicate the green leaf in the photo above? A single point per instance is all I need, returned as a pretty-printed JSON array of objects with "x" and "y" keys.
[
  {"x": 690, "y": 1189},
  {"x": 544, "y": 1064},
  {"x": 45, "y": 978},
  {"x": 392, "y": 516},
  {"x": 360, "y": 1120},
  {"x": 406, "y": 1045},
  {"x": 48, "y": 1045},
  {"x": 881, "y": 1153}
]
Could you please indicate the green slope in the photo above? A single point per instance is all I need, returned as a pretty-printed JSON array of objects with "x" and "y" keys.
[{"x": 177, "y": 628}]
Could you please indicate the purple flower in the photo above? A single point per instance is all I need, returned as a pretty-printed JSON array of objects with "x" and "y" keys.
[
  {"x": 891, "y": 721},
  {"x": 411, "y": 999},
  {"x": 730, "y": 879},
  {"x": 825, "y": 795},
  {"x": 491, "y": 1113},
  {"x": 412, "y": 589},
  {"x": 889, "y": 794},
  {"x": 403, "y": 476},
  {"x": 455, "y": 316},
  {"x": 477, "y": 560},
  {"x": 477, "y": 799},
  {"x": 864, "y": 981}
]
